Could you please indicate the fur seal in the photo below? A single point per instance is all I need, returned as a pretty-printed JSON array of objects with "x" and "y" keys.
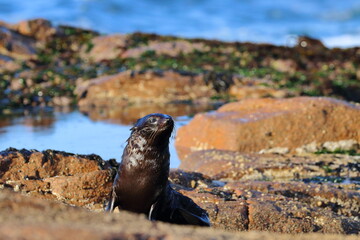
[{"x": 141, "y": 184}]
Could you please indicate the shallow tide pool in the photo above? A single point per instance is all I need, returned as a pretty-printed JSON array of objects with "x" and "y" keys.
[{"x": 71, "y": 132}]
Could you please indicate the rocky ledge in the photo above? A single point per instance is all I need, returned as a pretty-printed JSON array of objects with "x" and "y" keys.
[
  {"x": 238, "y": 205},
  {"x": 25, "y": 217},
  {"x": 292, "y": 125}
]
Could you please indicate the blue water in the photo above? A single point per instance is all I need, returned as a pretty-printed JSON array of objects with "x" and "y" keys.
[
  {"x": 72, "y": 132},
  {"x": 336, "y": 23}
]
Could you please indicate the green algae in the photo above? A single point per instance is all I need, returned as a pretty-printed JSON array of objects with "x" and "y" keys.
[
  {"x": 58, "y": 64},
  {"x": 332, "y": 179},
  {"x": 351, "y": 152}
]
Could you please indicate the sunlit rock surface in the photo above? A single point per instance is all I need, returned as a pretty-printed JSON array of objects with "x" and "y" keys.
[
  {"x": 260, "y": 125},
  {"x": 85, "y": 181}
]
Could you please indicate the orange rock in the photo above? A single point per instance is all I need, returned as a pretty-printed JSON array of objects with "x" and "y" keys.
[
  {"x": 259, "y": 124},
  {"x": 171, "y": 48},
  {"x": 105, "y": 48},
  {"x": 241, "y": 92},
  {"x": 17, "y": 165},
  {"x": 40, "y": 29},
  {"x": 82, "y": 180},
  {"x": 143, "y": 87}
]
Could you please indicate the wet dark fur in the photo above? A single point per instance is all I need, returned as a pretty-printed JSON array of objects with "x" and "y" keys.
[{"x": 141, "y": 184}]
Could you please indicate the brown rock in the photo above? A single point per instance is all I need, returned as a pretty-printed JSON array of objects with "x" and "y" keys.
[
  {"x": 8, "y": 64},
  {"x": 17, "y": 165},
  {"x": 189, "y": 179},
  {"x": 310, "y": 43},
  {"x": 269, "y": 216},
  {"x": 171, "y": 48},
  {"x": 220, "y": 164},
  {"x": 62, "y": 101},
  {"x": 25, "y": 217},
  {"x": 105, "y": 48},
  {"x": 293, "y": 217},
  {"x": 239, "y": 206},
  {"x": 277, "y": 207},
  {"x": 327, "y": 196},
  {"x": 148, "y": 87},
  {"x": 40, "y": 29},
  {"x": 82, "y": 180},
  {"x": 284, "y": 65},
  {"x": 15, "y": 45},
  {"x": 242, "y": 92},
  {"x": 257, "y": 124}
]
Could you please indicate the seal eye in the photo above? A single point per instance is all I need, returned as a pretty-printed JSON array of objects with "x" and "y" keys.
[{"x": 152, "y": 120}]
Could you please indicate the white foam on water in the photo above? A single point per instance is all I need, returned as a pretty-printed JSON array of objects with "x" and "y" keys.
[
  {"x": 343, "y": 41},
  {"x": 262, "y": 21}
]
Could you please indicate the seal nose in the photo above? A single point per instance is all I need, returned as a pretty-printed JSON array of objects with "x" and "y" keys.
[
  {"x": 167, "y": 117},
  {"x": 166, "y": 120}
]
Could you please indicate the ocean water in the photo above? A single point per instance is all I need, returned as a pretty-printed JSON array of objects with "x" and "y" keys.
[{"x": 336, "y": 23}]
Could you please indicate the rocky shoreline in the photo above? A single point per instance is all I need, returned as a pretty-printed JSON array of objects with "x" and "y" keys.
[
  {"x": 23, "y": 218},
  {"x": 238, "y": 204},
  {"x": 275, "y": 159},
  {"x": 46, "y": 65}
]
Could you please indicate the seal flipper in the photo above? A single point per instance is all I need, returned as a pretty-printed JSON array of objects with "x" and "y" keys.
[
  {"x": 193, "y": 219},
  {"x": 189, "y": 211},
  {"x": 176, "y": 208}
]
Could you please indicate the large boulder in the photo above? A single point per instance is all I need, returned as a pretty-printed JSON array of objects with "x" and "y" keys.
[
  {"x": 131, "y": 87},
  {"x": 82, "y": 180},
  {"x": 268, "y": 125}
]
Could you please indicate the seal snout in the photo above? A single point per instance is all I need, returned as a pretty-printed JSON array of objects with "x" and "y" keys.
[{"x": 166, "y": 121}]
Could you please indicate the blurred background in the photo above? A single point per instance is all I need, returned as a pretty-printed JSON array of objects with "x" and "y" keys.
[{"x": 336, "y": 23}]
